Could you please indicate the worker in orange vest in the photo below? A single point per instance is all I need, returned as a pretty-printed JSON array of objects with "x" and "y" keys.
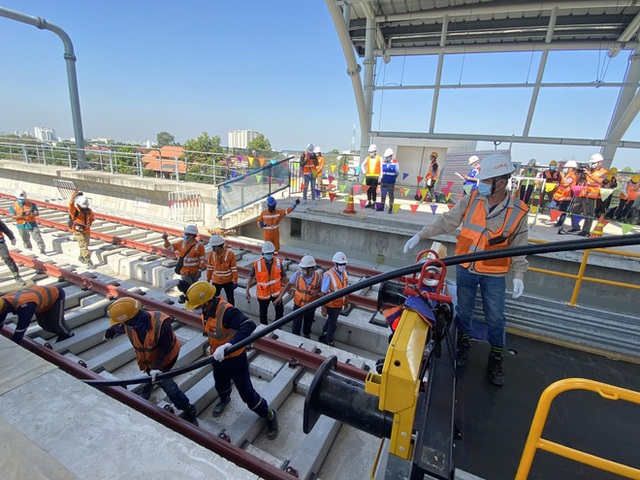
[
  {"x": 490, "y": 219},
  {"x": 222, "y": 269},
  {"x": 333, "y": 280},
  {"x": 80, "y": 219},
  {"x": 46, "y": 303},
  {"x": 191, "y": 260},
  {"x": 317, "y": 169},
  {"x": 156, "y": 346},
  {"x": 269, "y": 221},
  {"x": 308, "y": 165},
  {"x": 587, "y": 200},
  {"x": 562, "y": 194},
  {"x": 431, "y": 177},
  {"x": 24, "y": 213},
  {"x": 6, "y": 256},
  {"x": 551, "y": 176},
  {"x": 371, "y": 168},
  {"x": 306, "y": 286},
  {"x": 268, "y": 274},
  {"x": 628, "y": 197}
]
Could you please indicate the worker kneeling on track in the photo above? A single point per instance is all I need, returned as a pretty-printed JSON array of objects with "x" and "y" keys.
[
  {"x": 156, "y": 345},
  {"x": 225, "y": 326}
]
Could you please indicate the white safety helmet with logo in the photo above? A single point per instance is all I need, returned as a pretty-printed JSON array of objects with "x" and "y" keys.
[
  {"x": 307, "y": 262},
  {"x": 340, "y": 258},
  {"x": 268, "y": 247},
  {"x": 473, "y": 159},
  {"x": 317, "y": 150},
  {"x": 373, "y": 148},
  {"x": 309, "y": 148},
  {"x": 596, "y": 158},
  {"x": 216, "y": 241},
  {"x": 495, "y": 165},
  {"x": 21, "y": 194},
  {"x": 82, "y": 201},
  {"x": 571, "y": 164},
  {"x": 388, "y": 153},
  {"x": 191, "y": 230}
]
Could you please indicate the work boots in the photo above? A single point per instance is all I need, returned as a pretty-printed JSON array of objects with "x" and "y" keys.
[
  {"x": 462, "y": 350},
  {"x": 19, "y": 280},
  {"x": 272, "y": 424},
  {"x": 191, "y": 414},
  {"x": 220, "y": 407},
  {"x": 494, "y": 368}
]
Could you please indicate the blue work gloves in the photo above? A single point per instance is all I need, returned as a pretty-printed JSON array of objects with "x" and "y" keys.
[{"x": 262, "y": 224}]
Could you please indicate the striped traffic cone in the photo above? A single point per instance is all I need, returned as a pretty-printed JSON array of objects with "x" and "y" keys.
[
  {"x": 597, "y": 232},
  {"x": 350, "y": 210}
]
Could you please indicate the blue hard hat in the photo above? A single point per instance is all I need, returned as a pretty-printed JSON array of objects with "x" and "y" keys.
[{"x": 271, "y": 202}]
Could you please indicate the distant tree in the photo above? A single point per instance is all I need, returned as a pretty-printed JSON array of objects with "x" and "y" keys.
[
  {"x": 335, "y": 150},
  {"x": 165, "y": 138},
  {"x": 627, "y": 170},
  {"x": 204, "y": 143},
  {"x": 202, "y": 154},
  {"x": 125, "y": 160},
  {"x": 260, "y": 143}
]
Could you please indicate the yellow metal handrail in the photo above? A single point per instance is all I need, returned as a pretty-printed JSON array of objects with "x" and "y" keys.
[
  {"x": 535, "y": 440},
  {"x": 580, "y": 276}
]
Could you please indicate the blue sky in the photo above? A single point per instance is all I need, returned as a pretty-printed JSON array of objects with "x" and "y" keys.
[{"x": 275, "y": 67}]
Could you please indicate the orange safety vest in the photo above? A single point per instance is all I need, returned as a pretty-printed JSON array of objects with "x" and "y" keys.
[
  {"x": 303, "y": 293},
  {"x": 337, "y": 282},
  {"x": 147, "y": 351},
  {"x": 373, "y": 166},
  {"x": 432, "y": 173},
  {"x": 306, "y": 163},
  {"x": 474, "y": 236},
  {"x": 81, "y": 219},
  {"x": 269, "y": 283},
  {"x": 44, "y": 297},
  {"x": 194, "y": 259},
  {"x": 563, "y": 192},
  {"x": 633, "y": 190},
  {"x": 594, "y": 182},
  {"x": 216, "y": 331},
  {"x": 28, "y": 209},
  {"x": 317, "y": 169},
  {"x": 222, "y": 268}
]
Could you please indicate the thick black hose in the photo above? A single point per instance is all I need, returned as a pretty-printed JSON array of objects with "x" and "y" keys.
[{"x": 570, "y": 245}]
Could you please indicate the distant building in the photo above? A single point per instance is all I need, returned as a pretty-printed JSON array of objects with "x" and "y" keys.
[
  {"x": 45, "y": 134},
  {"x": 164, "y": 161},
  {"x": 241, "y": 138}
]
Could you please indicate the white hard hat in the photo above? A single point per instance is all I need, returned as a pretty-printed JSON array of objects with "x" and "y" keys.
[
  {"x": 373, "y": 148},
  {"x": 191, "y": 230},
  {"x": 388, "y": 152},
  {"x": 596, "y": 158},
  {"x": 268, "y": 247},
  {"x": 309, "y": 147},
  {"x": 532, "y": 162},
  {"x": 317, "y": 150},
  {"x": 473, "y": 159},
  {"x": 571, "y": 164},
  {"x": 307, "y": 262},
  {"x": 340, "y": 257},
  {"x": 82, "y": 201},
  {"x": 21, "y": 194},
  {"x": 216, "y": 241},
  {"x": 495, "y": 165}
]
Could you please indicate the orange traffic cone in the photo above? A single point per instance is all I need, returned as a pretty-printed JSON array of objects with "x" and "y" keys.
[
  {"x": 350, "y": 208},
  {"x": 597, "y": 232}
]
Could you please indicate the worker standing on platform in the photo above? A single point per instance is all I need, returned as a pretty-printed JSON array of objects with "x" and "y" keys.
[
  {"x": 269, "y": 221},
  {"x": 587, "y": 200},
  {"x": 470, "y": 178},
  {"x": 317, "y": 169},
  {"x": 6, "y": 256},
  {"x": 24, "y": 213},
  {"x": 491, "y": 219},
  {"x": 371, "y": 168},
  {"x": 222, "y": 270},
  {"x": 191, "y": 260},
  {"x": 628, "y": 197},
  {"x": 225, "y": 326},
  {"x": 306, "y": 285},
  {"x": 333, "y": 280},
  {"x": 388, "y": 176},
  {"x": 269, "y": 276},
  {"x": 431, "y": 177},
  {"x": 552, "y": 176},
  {"x": 80, "y": 219},
  {"x": 563, "y": 194},
  {"x": 156, "y": 346},
  {"x": 308, "y": 164},
  {"x": 47, "y": 303}
]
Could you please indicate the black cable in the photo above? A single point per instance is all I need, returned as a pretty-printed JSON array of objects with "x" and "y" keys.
[{"x": 553, "y": 247}]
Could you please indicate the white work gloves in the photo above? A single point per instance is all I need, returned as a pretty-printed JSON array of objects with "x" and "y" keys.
[
  {"x": 171, "y": 284},
  {"x": 518, "y": 287},
  {"x": 154, "y": 374},
  {"x": 412, "y": 242},
  {"x": 218, "y": 355},
  {"x": 13, "y": 242}
]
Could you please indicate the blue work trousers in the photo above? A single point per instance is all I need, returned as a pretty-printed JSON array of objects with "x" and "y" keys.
[
  {"x": 492, "y": 291},
  {"x": 237, "y": 369},
  {"x": 331, "y": 325},
  {"x": 303, "y": 322},
  {"x": 170, "y": 387}
]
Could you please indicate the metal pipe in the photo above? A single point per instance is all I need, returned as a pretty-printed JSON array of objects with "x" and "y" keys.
[{"x": 72, "y": 79}]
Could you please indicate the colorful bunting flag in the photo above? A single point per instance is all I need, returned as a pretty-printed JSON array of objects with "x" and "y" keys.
[
  {"x": 396, "y": 207},
  {"x": 345, "y": 169},
  {"x": 533, "y": 209},
  {"x": 234, "y": 174},
  {"x": 280, "y": 181},
  {"x": 467, "y": 188},
  {"x": 420, "y": 179},
  {"x": 626, "y": 228},
  {"x": 605, "y": 193},
  {"x": 318, "y": 193},
  {"x": 365, "y": 188},
  {"x": 258, "y": 178},
  {"x": 356, "y": 189},
  {"x": 554, "y": 215},
  {"x": 404, "y": 176},
  {"x": 331, "y": 178},
  {"x": 357, "y": 169},
  {"x": 414, "y": 207},
  {"x": 362, "y": 203},
  {"x": 332, "y": 197},
  {"x": 548, "y": 187},
  {"x": 576, "y": 189},
  {"x": 333, "y": 168},
  {"x": 343, "y": 187},
  {"x": 433, "y": 208}
]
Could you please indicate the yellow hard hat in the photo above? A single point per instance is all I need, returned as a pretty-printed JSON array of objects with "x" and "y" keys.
[
  {"x": 613, "y": 171},
  {"x": 198, "y": 294},
  {"x": 123, "y": 309},
  {"x": 2, "y": 302},
  {"x": 635, "y": 178},
  {"x": 553, "y": 162}
]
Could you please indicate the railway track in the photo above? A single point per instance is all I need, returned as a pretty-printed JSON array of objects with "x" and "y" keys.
[{"x": 132, "y": 262}]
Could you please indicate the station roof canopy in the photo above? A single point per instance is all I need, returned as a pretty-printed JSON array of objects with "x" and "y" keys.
[{"x": 415, "y": 27}]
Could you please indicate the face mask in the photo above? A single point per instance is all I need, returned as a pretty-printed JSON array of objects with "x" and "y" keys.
[
  {"x": 552, "y": 168},
  {"x": 185, "y": 238},
  {"x": 340, "y": 268},
  {"x": 484, "y": 189},
  {"x": 268, "y": 256},
  {"x": 271, "y": 209},
  {"x": 21, "y": 201}
]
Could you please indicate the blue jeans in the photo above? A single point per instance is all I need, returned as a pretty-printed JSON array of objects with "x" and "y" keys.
[
  {"x": 309, "y": 182},
  {"x": 493, "y": 293}
]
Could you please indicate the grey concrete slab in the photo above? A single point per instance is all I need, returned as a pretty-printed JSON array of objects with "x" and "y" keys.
[
  {"x": 18, "y": 366},
  {"x": 308, "y": 459}
]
